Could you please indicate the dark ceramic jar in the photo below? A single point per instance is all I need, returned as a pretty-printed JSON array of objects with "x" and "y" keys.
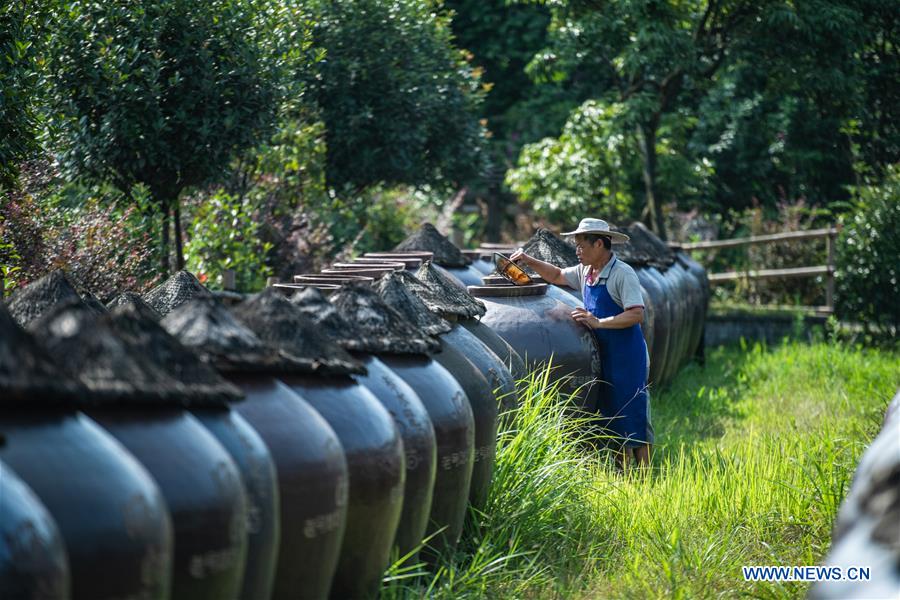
[
  {"x": 203, "y": 491},
  {"x": 95, "y": 490},
  {"x": 542, "y": 329},
  {"x": 91, "y": 485},
  {"x": 484, "y": 409},
  {"x": 257, "y": 470},
  {"x": 375, "y": 465},
  {"x": 498, "y": 346},
  {"x": 368, "y": 435},
  {"x": 659, "y": 312},
  {"x": 419, "y": 447},
  {"x": 33, "y": 561},
  {"x": 425, "y": 449},
  {"x": 309, "y": 462}
]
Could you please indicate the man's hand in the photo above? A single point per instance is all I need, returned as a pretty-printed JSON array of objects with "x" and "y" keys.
[
  {"x": 585, "y": 318},
  {"x": 520, "y": 256}
]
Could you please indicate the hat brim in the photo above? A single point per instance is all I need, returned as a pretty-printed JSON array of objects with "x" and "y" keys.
[{"x": 614, "y": 236}]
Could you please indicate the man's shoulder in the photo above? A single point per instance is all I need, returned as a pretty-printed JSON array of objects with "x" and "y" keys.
[{"x": 622, "y": 269}]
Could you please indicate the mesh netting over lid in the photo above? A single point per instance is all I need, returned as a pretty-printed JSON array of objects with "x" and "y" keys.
[
  {"x": 135, "y": 300},
  {"x": 202, "y": 385},
  {"x": 279, "y": 323},
  {"x": 329, "y": 322},
  {"x": 430, "y": 239},
  {"x": 28, "y": 376},
  {"x": 92, "y": 302},
  {"x": 393, "y": 290},
  {"x": 645, "y": 248},
  {"x": 443, "y": 296},
  {"x": 86, "y": 346},
  {"x": 546, "y": 246},
  {"x": 175, "y": 291},
  {"x": 38, "y": 297},
  {"x": 209, "y": 329},
  {"x": 382, "y": 329}
]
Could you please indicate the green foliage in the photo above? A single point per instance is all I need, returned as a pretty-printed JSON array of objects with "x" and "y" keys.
[
  {"x": 18, "y": 82},
  {"x": 584, "y": 171},
  {"x": 538, "y": 525},
  {"x": 225, "y": 235},
  {"x": 164, "y": 93},
  {"x": 868, "y": 276},
  {"x": 99, "y": 235},
  {"x": 594, "y": 168},
  {"x": 755, "y": 451},
  {"x": 398, "y": 100}
]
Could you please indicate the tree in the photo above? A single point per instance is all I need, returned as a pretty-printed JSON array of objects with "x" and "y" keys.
[
  {"x": 166, "y": 93},
  {"x": 18, "y": 75},
  {"x": 649, "y": 56},
  {"x": 398, "y": 100},
  {"x": 503, "y": 37}
]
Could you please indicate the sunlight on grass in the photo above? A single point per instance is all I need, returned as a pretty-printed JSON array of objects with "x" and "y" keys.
[{"x": 755, "y": 452}]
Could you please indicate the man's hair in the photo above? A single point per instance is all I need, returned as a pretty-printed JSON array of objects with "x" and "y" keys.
[{"x": 592, "y": 239}]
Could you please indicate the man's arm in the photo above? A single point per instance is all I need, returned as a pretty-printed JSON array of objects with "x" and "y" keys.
[
  {"x": 550, "y": 273},
  {"x": 622, "y": 320}
]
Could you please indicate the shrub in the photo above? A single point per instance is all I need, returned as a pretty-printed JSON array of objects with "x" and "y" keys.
[
  {"x": 868, "y": 276},
  {"x": 18, "y": 76},
  {"x": 167, "y": 93},
  {"x": 224, "y": 234},
  {"x": 100, "y": 239}
]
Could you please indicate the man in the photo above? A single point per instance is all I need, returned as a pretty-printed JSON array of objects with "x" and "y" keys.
[{"x": 613, "y": 310}]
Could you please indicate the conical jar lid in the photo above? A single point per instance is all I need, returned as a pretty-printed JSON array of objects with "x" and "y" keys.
[
  {"x": 205, "y": 326},
  {"x": 86, "y": 346},
  {"x": 175, "y": 291},
  {"x": 430, "y": 239},
  {"x": 393, "y": 289},
  {"x": 33, "y": 300},
  {"x": 442, "y": 295},
  {"x": 383, "y": 329},
  {"x": 28, "y": 376},
  {"x": 92, "y": 302},
  {"x": 279, "y": 323},
  {"x": 135, "y": 300},
  {"x": 645, "y": 248},
  {"x": 313, "y": 303},
  {"x": 548, "y": 247},
  {"x": 202, "y": 385}
]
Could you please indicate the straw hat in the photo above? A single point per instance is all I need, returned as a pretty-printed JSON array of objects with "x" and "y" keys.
[{"x": 599, "y": 227}]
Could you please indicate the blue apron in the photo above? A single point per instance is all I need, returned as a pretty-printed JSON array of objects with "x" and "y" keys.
[{"x": 623, "y": 402}]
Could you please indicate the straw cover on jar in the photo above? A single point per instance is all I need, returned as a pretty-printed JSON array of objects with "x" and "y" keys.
[
  {"x": 279, "y": 323},
  {"x": 209, "y": 329},
  {"x": 546, "y": 246},
  {"x": 443, "y": 296},
  {"x": 27, "y": 373},
  {"x": 175, "y": 291},
  {"x": 645, "y": 248},
  {"x": 116, "y": 368},
  {"x": 382, "y": 329},
  {"x": 430, "y": 239},
  {"x": 393, "y": 289},
  {"x": 30, "y": 302}
]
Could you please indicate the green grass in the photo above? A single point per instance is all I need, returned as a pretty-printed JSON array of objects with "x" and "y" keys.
[{"x": 754, "y": 454}]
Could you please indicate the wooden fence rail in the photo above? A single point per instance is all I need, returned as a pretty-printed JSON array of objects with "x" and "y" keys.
[{"x": 828, "y": 269}]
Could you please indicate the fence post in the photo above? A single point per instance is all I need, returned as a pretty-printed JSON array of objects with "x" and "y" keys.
[
  {"x": 228, "y": 280},
  {"x": 829, "y": 282}
]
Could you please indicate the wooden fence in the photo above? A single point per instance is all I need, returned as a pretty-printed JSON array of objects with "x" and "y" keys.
[{"x": 829, "y": 233}]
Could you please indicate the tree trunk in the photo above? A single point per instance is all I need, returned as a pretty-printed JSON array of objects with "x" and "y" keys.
[
  {"x": 647, "y": 143},
  {"x": 494, "y": 218},
  {"x": 179, "y": 250},
  {"x": 164, "y": 241}
]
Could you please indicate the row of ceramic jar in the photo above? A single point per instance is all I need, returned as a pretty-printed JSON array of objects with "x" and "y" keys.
[{"x": 300, "y": 490}]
